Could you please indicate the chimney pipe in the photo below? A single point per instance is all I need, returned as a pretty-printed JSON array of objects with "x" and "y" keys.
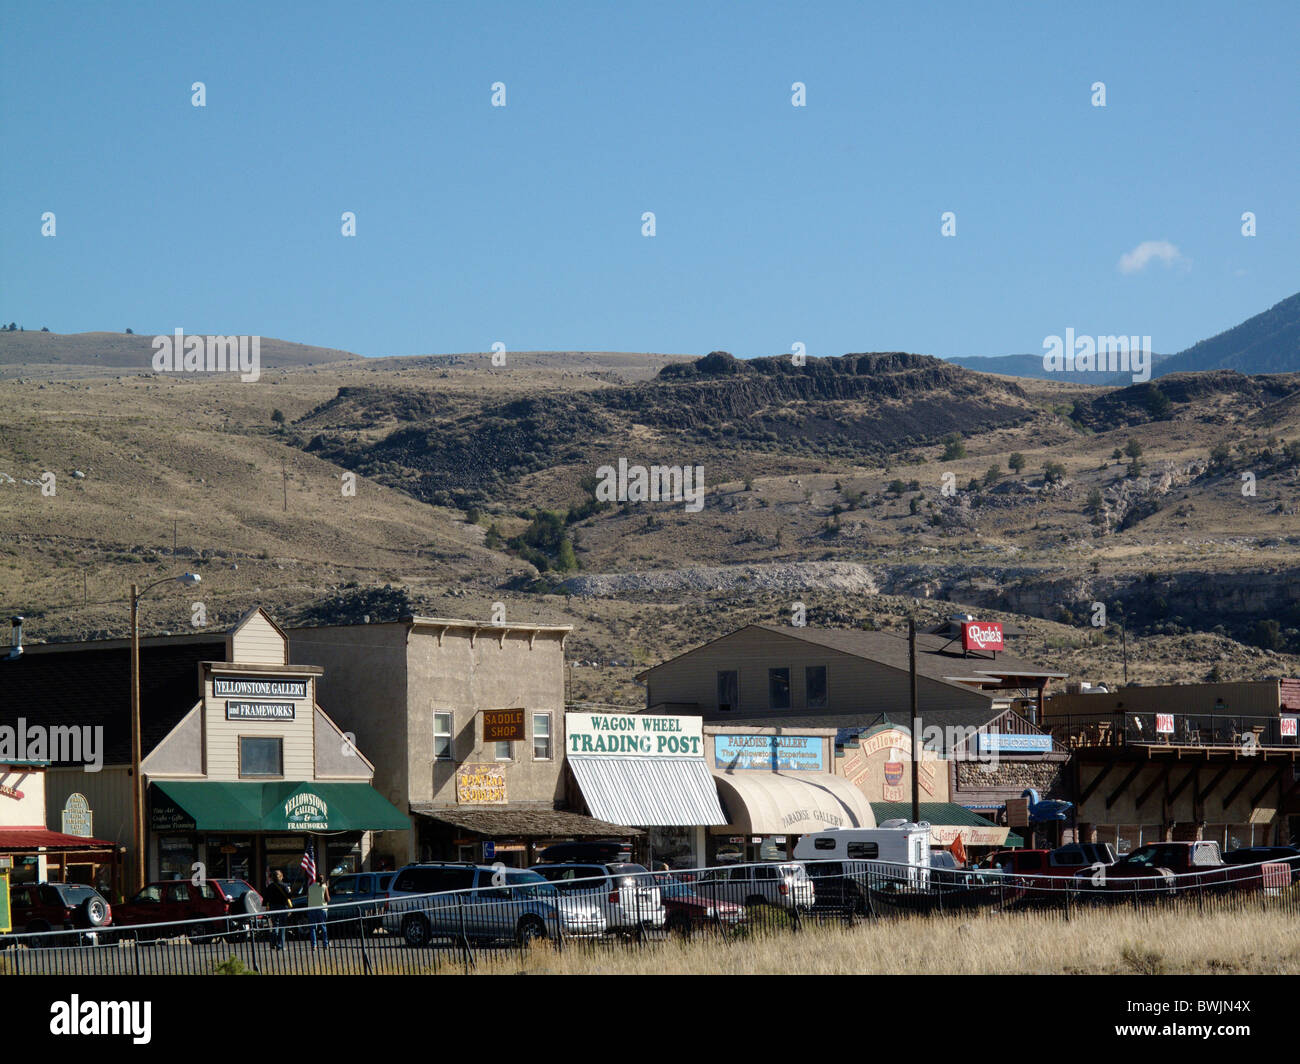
[{"x": 15, "y": 639}]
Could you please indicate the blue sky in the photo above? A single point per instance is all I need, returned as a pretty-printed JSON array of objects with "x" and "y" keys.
[{"x": 774, "y": 224}]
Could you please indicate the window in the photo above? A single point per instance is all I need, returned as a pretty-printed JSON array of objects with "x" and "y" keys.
[
  {"x": 442, "y": 736},
  {"x": 541, "y": 736},
  {"x": 864, "y": 851},
  {"x": 728, "y": 691},
  {"x": 503, "y": 750},
  {"x": 434, "y": 880},
  {"x": 260, "y": 756},
  {"x": 814, "y": 678},
  {"x": 778, "y": 688},
  {"x": 823, "y": 844}
]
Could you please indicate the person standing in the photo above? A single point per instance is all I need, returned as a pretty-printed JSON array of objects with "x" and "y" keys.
[
  {"x": 318, "y": 897},
  {"x": 278, "y": 901}
]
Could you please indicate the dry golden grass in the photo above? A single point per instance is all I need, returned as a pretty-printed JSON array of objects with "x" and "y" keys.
[{"x": 1093, "y": 943}]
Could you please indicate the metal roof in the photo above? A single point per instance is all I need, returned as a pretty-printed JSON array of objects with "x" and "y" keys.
[{"x": 649, "y": 791}]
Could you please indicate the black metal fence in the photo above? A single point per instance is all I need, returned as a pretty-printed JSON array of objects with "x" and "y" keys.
[{"x": 463, "y": 929}]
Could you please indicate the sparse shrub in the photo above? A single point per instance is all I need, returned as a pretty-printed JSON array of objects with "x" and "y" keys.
[
  {"x": 914, "y": 504},
  {"x": 1053, "y": 472},
  {"x": 1017, "y": 462},
  {"x": 991, "y": 476},
  {"x": 1267, "y": 634},
  {"x": 232, "y": 965},
  {"x": 277, "y": 416},
  {"x": 1142, "y": 961},
  {"x": 953, "y": 448},
  {"x": 1133, "y": 449},
  {"x": 896, "y": 487}
]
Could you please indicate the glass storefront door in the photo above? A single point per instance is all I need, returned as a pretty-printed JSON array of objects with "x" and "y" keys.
[{"x": 230, "y": 857}]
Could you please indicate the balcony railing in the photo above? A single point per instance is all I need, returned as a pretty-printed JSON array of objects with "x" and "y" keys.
[{"x": 1222, "y": 730}]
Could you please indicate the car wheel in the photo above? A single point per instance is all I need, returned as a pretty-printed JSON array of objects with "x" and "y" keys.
[
  {"x": 529, "y": 930},
  {"x": 94, "y": 912},
  {"x": 680, "y": 924},
  {"x": 416, "y": 931},
  {"x": 37, "y": 928}
]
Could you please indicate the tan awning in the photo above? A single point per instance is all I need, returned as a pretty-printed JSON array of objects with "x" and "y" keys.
[{"x": 790, "y": 803}]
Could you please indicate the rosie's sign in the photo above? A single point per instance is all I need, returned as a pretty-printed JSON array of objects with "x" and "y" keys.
[{"x": 981, "y": 635}]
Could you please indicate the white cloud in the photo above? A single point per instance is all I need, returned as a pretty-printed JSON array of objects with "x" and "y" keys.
[{"x": 1136, "y": 260}]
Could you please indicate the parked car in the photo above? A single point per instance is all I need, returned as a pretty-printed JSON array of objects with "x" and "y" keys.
[
  {"x": 428, "y": 901},
  {"x": 689, "y": 911},
  {"x": 785, "y": 884},
  {"x": 1173, "y": 866},
  {"x": 1249, "y": 855},
  {"x": 222, "y": 910},
  {"x": 358, "y": 900},
  {"x": 626, "y": 894},
  {"x": 73, "y": 907}
]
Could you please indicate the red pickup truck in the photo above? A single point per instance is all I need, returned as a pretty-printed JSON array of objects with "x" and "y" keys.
[{"x": 1175, "y": 866}]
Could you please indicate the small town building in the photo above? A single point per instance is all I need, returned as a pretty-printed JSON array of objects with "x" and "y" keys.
[
  {"x": 1210, "y": 761},
  {"x": 776, "y": 784},
  {"x": 239, "y": 781},
  {"x": 31, "y": 852},
  {"x": 647, "y": 771},
  {"x": 465, "y": 721}
]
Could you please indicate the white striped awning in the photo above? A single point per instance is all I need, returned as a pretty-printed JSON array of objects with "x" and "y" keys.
[{"x": 649, "y": 792}]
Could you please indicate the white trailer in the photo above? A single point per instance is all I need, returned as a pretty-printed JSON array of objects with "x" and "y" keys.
[{"x": 898, "y": 849}]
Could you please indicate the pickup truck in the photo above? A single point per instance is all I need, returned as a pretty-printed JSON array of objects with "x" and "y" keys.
[
  {"x": 1064, "y": 861},
  {"x": 1177, "y": 866}
]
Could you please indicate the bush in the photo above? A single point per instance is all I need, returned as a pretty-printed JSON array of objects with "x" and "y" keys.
[
  {"x": 991, "y": 476},
  {"x": 1053, "y": 472},
  {"x": 953, "y": 448},
  {"x": 232, "y": 965},
  {"x": 1017, "y": 462}
]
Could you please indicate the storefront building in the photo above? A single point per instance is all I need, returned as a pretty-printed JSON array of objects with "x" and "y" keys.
[
  {"x": 256, "y": 773},
  {"x": 466, "y": 723},
  {"x": 32, "y": 853},
  {"x": 650, "y": 772},
  {"x": 774, "y": 785}
]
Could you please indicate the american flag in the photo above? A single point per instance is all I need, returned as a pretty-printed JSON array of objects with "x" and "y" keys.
[{"x": 309, "y": 864}]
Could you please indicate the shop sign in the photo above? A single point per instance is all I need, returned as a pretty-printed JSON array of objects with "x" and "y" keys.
[
  {"x": 306, "y": 810},
  {"x": 234, "y": 686},
  {"x": 970, "y": 836},
  {"x": 480, "y": 785},
  {"x": 880, "y": 768},
  {"x": 166, "y": 815},
  {"x": 634, "y": 735},
  {"x": 978, "y": 635},
  {"x": 6, "y": 861},
  {"x": 774, "y": 753},
  {"x": 1164, "y": 724},
  {"x": 1289, "y": 727},
  {"x": 503, "y": 725},
  {"x": 804, "y": 820},
  {"x": 77, "y": 818},
  {"x": 259, "y": 711},
  {"x": 1009, "y": 743},
  {"x": 12, "y": 792}
]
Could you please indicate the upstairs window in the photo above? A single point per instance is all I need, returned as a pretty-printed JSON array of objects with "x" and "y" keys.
[{"x": 778, "y": 688}]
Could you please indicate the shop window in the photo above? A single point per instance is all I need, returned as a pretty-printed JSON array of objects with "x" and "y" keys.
[
  {"x": 504, "y": 752},
  {"x": 261, "y": 756},
  {"x": 778, "y": 688},
  {"x": 814, "y": 678},
  {"x": 442, "y": 736},
  {"x": 728, "y": 691},
  {"x": 541, "y": 736}
]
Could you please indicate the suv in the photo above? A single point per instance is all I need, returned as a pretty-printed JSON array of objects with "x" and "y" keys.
[
  {"x": 58, "y": 906},
  {"x": 427, "y": 901},
  {"x": 785, "y": 884},
  {"x": 626, "y": 894},
  {"x": 358, "y": 899},
  {"x": 221, "y": 907}
]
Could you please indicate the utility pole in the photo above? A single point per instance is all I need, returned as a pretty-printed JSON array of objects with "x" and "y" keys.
[
  {"x": 916, "y": 738},
  {"x": 284, "y": 477},
  {"x": 1123, "y": 632}
]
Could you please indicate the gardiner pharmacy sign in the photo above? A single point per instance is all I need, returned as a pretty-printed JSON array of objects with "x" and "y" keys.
[{"x": 633, "y": 735}]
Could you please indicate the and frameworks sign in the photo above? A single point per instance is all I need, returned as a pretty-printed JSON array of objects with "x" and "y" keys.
[{"x": 259, "y": 711}]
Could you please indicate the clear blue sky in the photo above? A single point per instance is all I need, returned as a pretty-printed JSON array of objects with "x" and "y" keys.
[{"x": 775, "y": 224}]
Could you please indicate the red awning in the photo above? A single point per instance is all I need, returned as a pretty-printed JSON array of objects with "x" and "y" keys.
[{"x": 37, "y": 838}]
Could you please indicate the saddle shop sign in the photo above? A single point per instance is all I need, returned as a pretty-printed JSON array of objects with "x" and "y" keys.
[{"x": 981, "y": 635}]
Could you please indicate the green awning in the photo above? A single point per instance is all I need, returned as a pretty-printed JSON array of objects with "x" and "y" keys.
[{"x": 282, "y": 805}]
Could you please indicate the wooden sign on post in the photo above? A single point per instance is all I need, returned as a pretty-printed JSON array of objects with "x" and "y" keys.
[{"x": 1018, "y": 812}]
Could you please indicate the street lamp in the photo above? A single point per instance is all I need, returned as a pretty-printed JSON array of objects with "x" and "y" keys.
[{"x": 185, "y": 580}]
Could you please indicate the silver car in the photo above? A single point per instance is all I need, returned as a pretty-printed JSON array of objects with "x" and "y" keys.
[
  {"x": 428, "y": 901},
  {"x": 627, "y": 894},
  {"x": 785, "y": 884}
]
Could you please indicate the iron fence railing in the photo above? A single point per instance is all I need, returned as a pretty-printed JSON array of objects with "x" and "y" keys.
[
  {"x": 1176, "y": 729},
  {"x": 457, "y": 930}
]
